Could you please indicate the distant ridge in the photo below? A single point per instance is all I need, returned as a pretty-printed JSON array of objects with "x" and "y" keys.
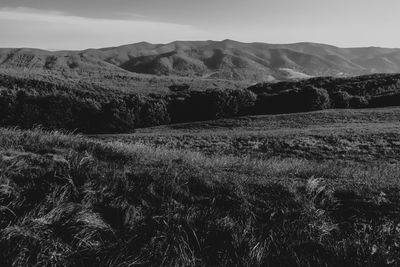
[{"x": 228, "y": 59}]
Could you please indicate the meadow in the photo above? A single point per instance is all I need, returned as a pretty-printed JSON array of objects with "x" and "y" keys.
[
  {"x": 309, "y": 189},
  {"x": 356, "y": 134}
]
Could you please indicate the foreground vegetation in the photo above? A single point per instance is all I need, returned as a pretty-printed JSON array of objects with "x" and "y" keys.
[{"x": 71, "y": 201}]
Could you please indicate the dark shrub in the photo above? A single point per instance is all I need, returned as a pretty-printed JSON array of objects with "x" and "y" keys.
[
  {"x": 340, "y": 99},
  {"x": 242, "y": 102},
  {"x": 7, "y": 105},
  {"x": 385, "y": 100},
  {"x": 210, "y": 104},
  {"x": 229, "y": 103},
  {"x": 57, "y": 112},
  {"x": 285, "y": 102},
  {"x": 154, "y": 112},
  {"x": 315, "y": 98},
  {"x": 289, "y": 101},
  {"x": 87, "y": 116},
  {"x": 359, "y": 102},
  {"x": 116, "y": 117}
]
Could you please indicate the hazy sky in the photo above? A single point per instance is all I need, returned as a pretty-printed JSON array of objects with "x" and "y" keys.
[{"x": 77, "y": 24}]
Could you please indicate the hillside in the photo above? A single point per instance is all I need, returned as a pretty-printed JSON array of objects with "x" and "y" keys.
[
  {"x": 358, "y": 135},
  {"x": 231, "y": 60},
  {"x": 109, "y": 83},
  {"x": 72, "y": 201}
]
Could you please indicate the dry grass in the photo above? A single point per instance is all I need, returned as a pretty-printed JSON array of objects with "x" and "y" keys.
[
  {"x": 71, "y": 201},
  {"x": 350, "y": 135}
]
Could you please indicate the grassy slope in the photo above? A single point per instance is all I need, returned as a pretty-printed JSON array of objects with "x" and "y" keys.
[
  {"x": 71, "y": 201},
  {"x": 108, "y": 84},
  {"x": 358, "y": 135}
]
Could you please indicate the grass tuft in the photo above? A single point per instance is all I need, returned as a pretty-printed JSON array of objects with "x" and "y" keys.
[{"x": 71, "y": 201}]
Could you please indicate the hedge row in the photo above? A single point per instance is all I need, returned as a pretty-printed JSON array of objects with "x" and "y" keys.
[
  {"x": 58, "y": 109},
  {"x": 62, "y": 111}
]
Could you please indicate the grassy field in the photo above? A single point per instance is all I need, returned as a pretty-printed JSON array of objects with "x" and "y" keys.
[
  {"x": 356, "y": 135},
  {"x": 68, "y": 200}
]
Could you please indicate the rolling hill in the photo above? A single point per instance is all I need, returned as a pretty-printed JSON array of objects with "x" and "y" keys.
[
  {"x": 229, "y": 60},
  {"x": 68, "y": 200}
]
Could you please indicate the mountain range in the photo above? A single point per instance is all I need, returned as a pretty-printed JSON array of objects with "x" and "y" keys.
[{"x": 228, "y": 60}]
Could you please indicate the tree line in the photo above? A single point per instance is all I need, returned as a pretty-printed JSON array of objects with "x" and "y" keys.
[
  {"x": 123, "y": 114},
  {"x": 59, "y": 109}
]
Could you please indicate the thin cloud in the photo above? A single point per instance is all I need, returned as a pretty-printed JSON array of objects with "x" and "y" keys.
[
  {"x": 52, "y": 29},
  {"x": 24, "y": 13}
]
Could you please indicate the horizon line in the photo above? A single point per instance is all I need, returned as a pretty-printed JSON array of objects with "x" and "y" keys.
[{"x": 193, "y": 41}]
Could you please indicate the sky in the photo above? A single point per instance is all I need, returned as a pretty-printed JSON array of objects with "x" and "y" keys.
[{"x": 80, "y": 24}]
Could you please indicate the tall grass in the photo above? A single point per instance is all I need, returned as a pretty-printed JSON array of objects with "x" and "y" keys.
[{"x": 71, "y": 201}]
